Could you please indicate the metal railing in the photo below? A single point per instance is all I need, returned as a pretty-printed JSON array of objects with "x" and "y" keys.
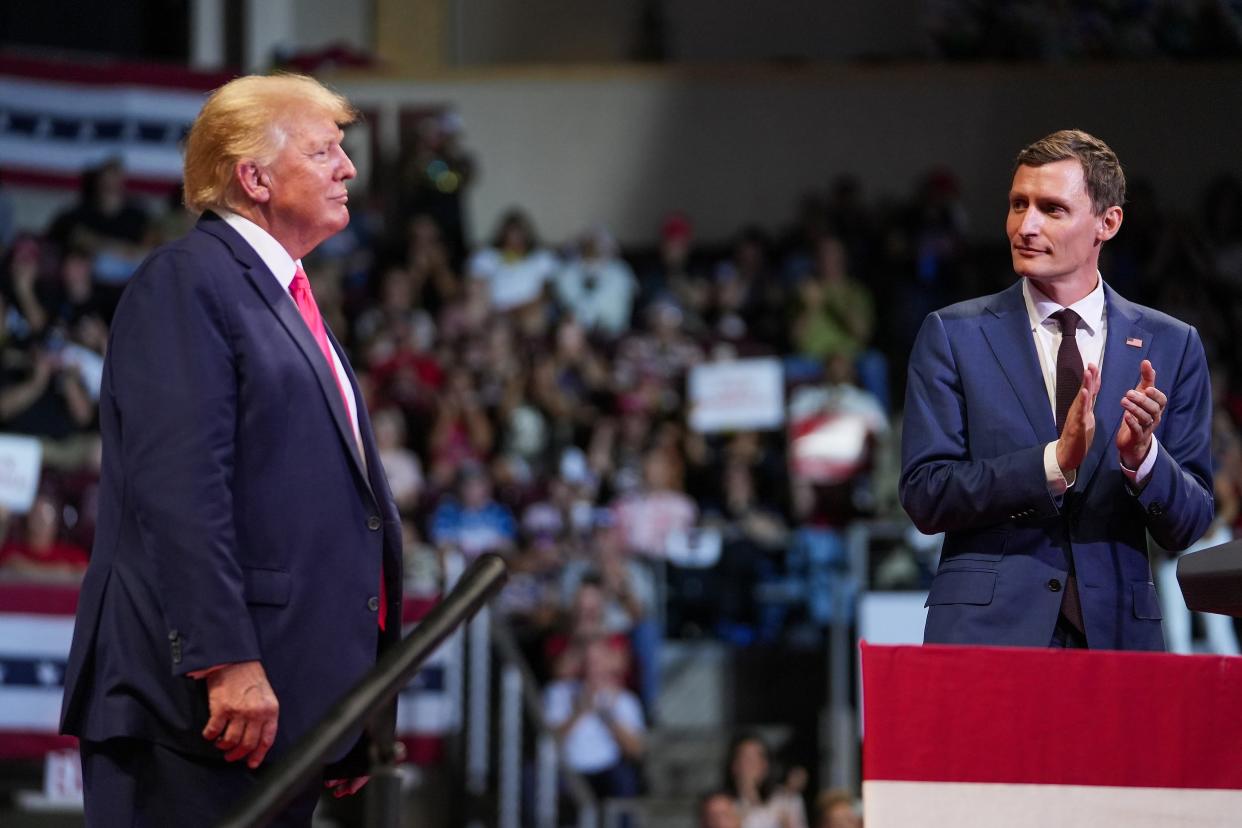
[
  {"x": 518, "y": 703},
  {"x": 367, "y": 703}
]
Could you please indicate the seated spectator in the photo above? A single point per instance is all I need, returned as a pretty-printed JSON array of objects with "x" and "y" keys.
[
  {"x": 34, "y": 546},
  {"x": 598, "y": 287},
  {"x": 22, "y": 291},
  {"x": 404, "y": 471},
  {"x": 515, "y": 267},
  {"x": 473, "y": 522},
  {"x": 836, "y": 809},
  {"x": 762, "y": 802},
  {"x": 430, "y": 263},
  {"x": 582, "y": 623},
  {"x": 598, "y": 723},
  {"x": 718, "y": 810},
  {"x": 628, "y": 593},
  {"x": 44, "y": 393},
  {"x": 105, "y": 222},
  {"x": 650, "y": 516},
  {"x": 664, "y": 353},
  {"x": 462, "y": 433},
  {"x": 568, "y": 382},
  {"x": 835, "y": 317}
]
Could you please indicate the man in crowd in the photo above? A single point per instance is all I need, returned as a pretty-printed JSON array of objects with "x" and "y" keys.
[
  {"x": 1050, "y": 427},
  {"x": 247, "y": 563}
]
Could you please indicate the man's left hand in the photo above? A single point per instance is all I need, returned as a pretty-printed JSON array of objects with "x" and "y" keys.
[
  {"x": 346, "y": 787},
  {"x": 1142, "y": 408}
]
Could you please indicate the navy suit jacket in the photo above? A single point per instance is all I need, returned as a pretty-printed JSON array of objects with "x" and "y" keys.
[
  {"x": 237, "y": 520},
  {"x": 977, "y": 418}
]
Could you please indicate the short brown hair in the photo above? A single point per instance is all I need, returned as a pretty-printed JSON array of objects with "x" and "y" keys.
[
  {"x": 1106, "y": 183},
  {"x": 242, "y": 119}
]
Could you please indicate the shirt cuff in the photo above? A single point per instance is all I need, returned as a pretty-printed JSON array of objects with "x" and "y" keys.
[
  {"x": 1138, "y": 477},
  {"x": 1058, "y": 481}
]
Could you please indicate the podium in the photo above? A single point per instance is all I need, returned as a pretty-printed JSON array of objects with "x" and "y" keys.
[
  {"x": 980, "y": 736},
  {"x": 1211, "y": 579}
]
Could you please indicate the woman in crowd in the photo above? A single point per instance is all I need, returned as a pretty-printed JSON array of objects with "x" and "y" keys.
[{"x": 761, "y": 801}]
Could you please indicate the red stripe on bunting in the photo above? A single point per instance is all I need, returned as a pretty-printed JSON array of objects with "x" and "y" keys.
[
  {"x": 38, "y": 599},
  {"x": 113, "y": 73},
  {"x": 18, "y": 177},
  {"x": 1042, "y": 716}
]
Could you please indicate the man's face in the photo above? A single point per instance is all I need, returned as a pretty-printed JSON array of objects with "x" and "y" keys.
[
  {"x": 307, "y": 179},
  {"x": 1053, "y": 233}
]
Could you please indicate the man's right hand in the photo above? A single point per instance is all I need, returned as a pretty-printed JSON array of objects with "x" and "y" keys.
[
  {"x": 243, "y": 711},
  {"x": 1079, "y": 428}
]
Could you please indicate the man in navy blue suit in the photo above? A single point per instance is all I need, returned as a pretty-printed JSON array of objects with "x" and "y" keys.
[
  {"x": 247, "y": 562},
  {"x": 1050, "y": 427}
]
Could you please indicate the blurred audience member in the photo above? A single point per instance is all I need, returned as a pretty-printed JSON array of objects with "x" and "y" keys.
[
  {"x": 718, "y": 809},
  {"x": 43, "y": 393},
  {"x": 597, "y": 287},
  {"x": 402, "y": 466},
  {"x": 473, "y": 522},
  {"x": 27, "y": 313},
  {"x": 35, "y": 547},
  {"x": 105, "y": 222},
  {"x": 515, "y": 267},
  {"x": 435, "y": 173},
  {"x": 598, "y": 723},
  {"x": 651, "y": 516},
  {"x": 628, "y": 592},
  {"x": 763, "y": 802},
  {"x": 837, "y": 809},
  {"x": 462, "y": 433}
]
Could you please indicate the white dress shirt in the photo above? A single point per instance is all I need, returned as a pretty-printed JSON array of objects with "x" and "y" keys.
[
  {"x": 283, "y": 267},
  {"x": 1091, "y": 334}
]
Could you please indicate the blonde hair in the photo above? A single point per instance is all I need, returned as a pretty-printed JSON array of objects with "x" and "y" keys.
[{"x": 244, "y": 120}]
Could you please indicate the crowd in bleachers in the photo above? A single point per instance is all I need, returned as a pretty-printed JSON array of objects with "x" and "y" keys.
[{"x": 530, "y": 398}]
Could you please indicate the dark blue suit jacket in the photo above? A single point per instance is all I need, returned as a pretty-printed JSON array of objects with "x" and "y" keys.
[
  {"x": 977, "y": 419},
  {"x": 236, "y": 518}
]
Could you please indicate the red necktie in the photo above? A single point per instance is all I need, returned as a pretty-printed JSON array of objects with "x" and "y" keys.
[{"x": 300, "y": 290}]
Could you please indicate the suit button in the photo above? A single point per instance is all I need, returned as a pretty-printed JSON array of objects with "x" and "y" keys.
[
  {"x": 373, "y": 604},
  {"x": 1155, "y": 510},
  {"x": 373, "y": 522},
  {"x": 1054, "y": 585},
  {"x": 172, "y": 635}
]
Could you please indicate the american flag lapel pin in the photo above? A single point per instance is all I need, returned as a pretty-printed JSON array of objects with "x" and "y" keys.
[{"x": 1134, "y": 342}]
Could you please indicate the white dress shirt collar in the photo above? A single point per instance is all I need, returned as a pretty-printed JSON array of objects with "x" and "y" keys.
[
  {"x": 1090, "y": 308},
  {"x": 277, "y": 259}
]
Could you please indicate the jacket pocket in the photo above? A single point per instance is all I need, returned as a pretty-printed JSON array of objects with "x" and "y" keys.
[
  {"x": 962, "y": 586},
  {"x": 1146, "y": 604},
  {"x": 270, "y": 587}
]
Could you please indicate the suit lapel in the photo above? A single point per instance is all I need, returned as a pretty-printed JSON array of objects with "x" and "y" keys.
[
  {"x": 359, "y": 445},
  {"x": 1118, "y": 374},
  {"x": 1008, "y": 332},
  {"x": 264, "y": 281}
]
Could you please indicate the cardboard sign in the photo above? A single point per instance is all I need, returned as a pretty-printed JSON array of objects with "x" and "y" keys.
[{"x": 739, "y": 395}]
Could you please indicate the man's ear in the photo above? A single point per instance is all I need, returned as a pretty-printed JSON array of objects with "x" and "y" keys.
[
  {"x": 253, "y": 181},
  {"x": 1109, "y": 224}
]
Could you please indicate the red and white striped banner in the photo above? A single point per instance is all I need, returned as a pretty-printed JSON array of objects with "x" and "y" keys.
[
  {"x": 963, "y": 736},
  {"x": 36, "y": 627},
  {"x": 58, "y": 119}
]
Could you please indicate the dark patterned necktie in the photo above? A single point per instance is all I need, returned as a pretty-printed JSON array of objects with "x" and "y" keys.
[
  {"x": 1069, "y": 381},
  {"x": 1069, "y": 364}
]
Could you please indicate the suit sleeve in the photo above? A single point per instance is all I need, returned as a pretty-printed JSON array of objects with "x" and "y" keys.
[
  {"x": 175, "y": 386},
  {"x": 1178, "y": 499},
  {"x": 943, "y": 488}
]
